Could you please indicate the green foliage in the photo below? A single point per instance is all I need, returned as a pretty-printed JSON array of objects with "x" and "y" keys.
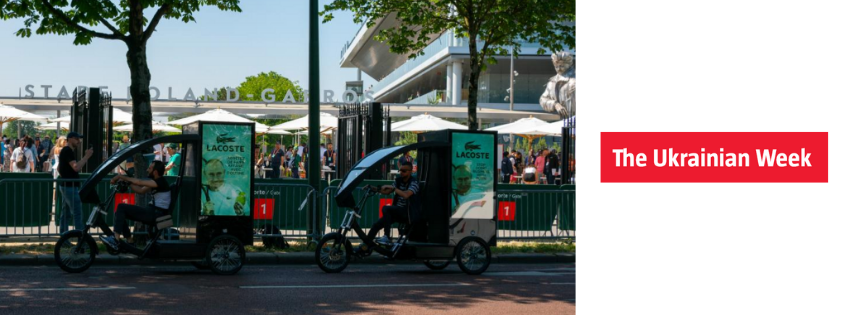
[
  {"x": 496, "y": 25},
  {"x": 406, "y": 138},
  {"x": 123, "y": 19},
  {"x": 255, "y": 85},
  {"x": 27, "y": 128},
  {"x": 522, "y": 145},
  {"x": 540, "y": 144},
  {"x": 556, "y": 147}
]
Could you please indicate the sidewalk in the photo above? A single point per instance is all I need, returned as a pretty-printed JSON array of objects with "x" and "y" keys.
[{"x": 300, "y": 258}]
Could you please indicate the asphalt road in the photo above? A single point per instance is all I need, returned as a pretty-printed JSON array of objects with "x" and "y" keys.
[{"x": 289, "y": 289}]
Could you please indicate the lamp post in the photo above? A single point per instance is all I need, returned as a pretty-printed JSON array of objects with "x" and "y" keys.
[{"x": 313, "y": 108}]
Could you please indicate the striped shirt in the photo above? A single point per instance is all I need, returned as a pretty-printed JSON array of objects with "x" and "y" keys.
[{"x": 412, "y": 185}]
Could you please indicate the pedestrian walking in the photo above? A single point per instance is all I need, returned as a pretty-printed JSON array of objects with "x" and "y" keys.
[
  {"x": 506, "y": 168},
  {"x": 22, "y": 159},
  {"x": 69, "y": 172},
  {"x": 540, "y": 162},
  {"x": 550, "y": 166}
]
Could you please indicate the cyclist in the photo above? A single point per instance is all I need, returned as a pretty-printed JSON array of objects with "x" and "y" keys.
[
  {"x": 159, "y": 189},
  {"x": 406, "y": 203}
]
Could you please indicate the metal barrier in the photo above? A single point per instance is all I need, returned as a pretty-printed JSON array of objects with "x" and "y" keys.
[
  {"x": 525, "y": 212},
  {"x": 28, "y": 208},
  {"x": 282, "y": 209}
]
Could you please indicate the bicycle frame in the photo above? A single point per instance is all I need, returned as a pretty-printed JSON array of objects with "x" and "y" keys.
[
  {"x": 350, "y": 223},
  {"x": 99, "y": 212}
]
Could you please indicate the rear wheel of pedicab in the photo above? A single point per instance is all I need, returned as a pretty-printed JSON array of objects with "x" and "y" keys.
[
  {"x": 74, "y": 252},
  {"x": 225, "y": 255},
  {"x": 437, "y": 264},
  {"x": 474, "y": 255},
  {"x": 332, "y": 255}
]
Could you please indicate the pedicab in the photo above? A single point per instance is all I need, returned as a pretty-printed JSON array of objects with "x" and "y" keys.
[
  {"x": 457, "y": 187},
  {"x": 218, "y": 210}
]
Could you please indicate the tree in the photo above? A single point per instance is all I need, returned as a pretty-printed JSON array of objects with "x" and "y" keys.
[
  {"x": 124, "y": 21},
  {"x": 495, "y": 24},
  {"x": 254, "y": 86}
]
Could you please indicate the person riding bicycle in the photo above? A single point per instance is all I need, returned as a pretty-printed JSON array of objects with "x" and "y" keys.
[
  {"x": 159, "y": 189},
  {"x": 406, "y": 204}
]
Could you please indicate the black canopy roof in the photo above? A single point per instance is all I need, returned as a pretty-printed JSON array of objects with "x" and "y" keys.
[
  {"x": 88, "y": 192},
  {"x": 344, "y": 196}
]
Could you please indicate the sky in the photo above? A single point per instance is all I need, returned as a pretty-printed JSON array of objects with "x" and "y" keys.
[{"x": 219, "y": 49}]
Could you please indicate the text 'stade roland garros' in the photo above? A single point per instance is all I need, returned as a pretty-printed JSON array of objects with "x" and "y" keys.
[{"x": 713, "y": 157}]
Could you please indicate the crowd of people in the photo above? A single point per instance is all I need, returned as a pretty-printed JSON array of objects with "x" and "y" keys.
[
  {"x": 538, "y": 167},
  {"x": 29, "y": 154},
  {"x": 291, "y": 161}
]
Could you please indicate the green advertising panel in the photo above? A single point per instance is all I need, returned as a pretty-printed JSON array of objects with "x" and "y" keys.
[
  {"x": 226, "y": 170},
  {"x": 473, "y": 175}
]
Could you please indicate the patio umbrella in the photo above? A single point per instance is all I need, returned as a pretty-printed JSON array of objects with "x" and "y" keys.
[
  {"x": 325, "y": 121},
  {"x": 217, "y": 115},
  {"x": 52, "y": 126},
  {"x": 520, "y": 126},
  {"x": 10, "y": 114},
  {"x": 326, "y": 132},
  {"x": 155, "y": 126},
  {"x": 425, "y": 122},
  {"x": 551, "y": 129},
  {"x": 118, "y": 116},
  {"x": 277, "y": 132}
]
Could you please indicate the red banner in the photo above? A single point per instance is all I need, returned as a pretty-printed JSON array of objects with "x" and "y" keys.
[
  {"x": 383, "y": 202},
  {"x": 264, "y": 208},
  {"x": 128, "y": 198},
  {"x": 718, "y": 157},
  {"x": 507, "y": 209}
]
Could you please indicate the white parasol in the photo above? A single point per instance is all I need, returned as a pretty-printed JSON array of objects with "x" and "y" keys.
[
  {"x": 155, "y": 126},
  {"x": 425, "y": 122},
  {"x": 325, "y": 121}
]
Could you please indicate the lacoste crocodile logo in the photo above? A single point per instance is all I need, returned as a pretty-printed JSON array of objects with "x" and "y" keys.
[
  {"x": 223, "y": 138},
  {"x": 470, "y": 146}
]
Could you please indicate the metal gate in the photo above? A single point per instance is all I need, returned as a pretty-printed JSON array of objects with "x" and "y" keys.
[
  {"x": 91, "y": 115},
  {"x": 360, "y": 130},
  {"x": 568, "y": 151}
]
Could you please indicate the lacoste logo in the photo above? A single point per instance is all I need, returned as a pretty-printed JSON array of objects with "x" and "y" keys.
[
  {"x": 469, "y": 146},
  {"x": 222, "y": 138}
]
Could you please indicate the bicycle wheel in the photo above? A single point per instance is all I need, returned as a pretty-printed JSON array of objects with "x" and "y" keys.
[
  {"x": 331, "y": 255},
  {"x": 74, "y": 252},
  {"x": 225, "y": 255},
  {"x": 474, "y": 255}
]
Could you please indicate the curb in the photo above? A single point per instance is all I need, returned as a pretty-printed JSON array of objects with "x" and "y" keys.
[{"x": 278, "y": 259}]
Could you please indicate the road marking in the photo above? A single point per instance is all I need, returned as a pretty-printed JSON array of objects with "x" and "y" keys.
[
  {"x": 339, "y": 286},
  {"x": 561, "y": 283},
  {"x": 69, "y": 289}
]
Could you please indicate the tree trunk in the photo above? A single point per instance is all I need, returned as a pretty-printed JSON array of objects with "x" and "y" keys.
[{"x": 140, "y": 83}]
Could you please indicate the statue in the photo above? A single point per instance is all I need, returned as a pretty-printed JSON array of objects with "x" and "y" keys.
[{"x": 560, "y": 94}]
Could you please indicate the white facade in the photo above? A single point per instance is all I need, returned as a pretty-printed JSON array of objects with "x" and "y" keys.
[{"x": 441, "y": 74}]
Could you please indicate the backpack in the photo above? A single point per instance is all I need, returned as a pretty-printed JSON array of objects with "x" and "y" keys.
[
  {"x": 21, "y": 161},
  {"x": 506, "y": 166}
]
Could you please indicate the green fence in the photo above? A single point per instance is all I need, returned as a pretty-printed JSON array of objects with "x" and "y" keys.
[
  {"x": 26, "y": 200},
  {"x": 279, "y": 203},
  {"x": 525, "y": 211},
  {"x": 567, "y": 213}
]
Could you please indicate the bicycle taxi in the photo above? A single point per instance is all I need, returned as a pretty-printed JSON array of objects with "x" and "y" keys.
[
  {"x": 457, "y": 184},
  {"x": 210, "y": 151}
]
